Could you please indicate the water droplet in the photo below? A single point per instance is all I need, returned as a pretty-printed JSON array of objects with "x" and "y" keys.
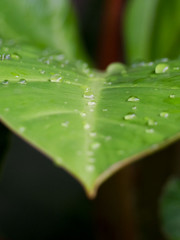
[
  {"x": 42, "y": 71},
  {"x": 105, "y": 110},
  {"x": 130, "y": 116},
  {"x": 56, "y": 78},
  {"x": 161, "y": 68},
  {"x": 88, "y": 94},
  {"x": 59, "y": 160},
  {"x": 22, "y": 129},
  {"x": 15, "y": 56},
  {"x": 95, "y": 145},
  {"x": 92, "y": 134},
  {"x": 22, "y": 81},
  {"x": 172, "y": 96},
  {"x": 115, "y": 68},
  {"x": 176, "y": 68},
  {"x": 133, "y": 99},
  {"x": 151, "y": 122},
  {"x": 65, "y": 124},
  {"x": 83, "y": 114},
  {"x": 134, "y": 108},
  {"x": 149, "y": 130},
  {"x": 5, "y": 82},
  {"x": 87, "y": 126},
  {"x": 90, "y": 168},
  {"x": 91, "y": 103},
  {"x": 164, "y": 114}
]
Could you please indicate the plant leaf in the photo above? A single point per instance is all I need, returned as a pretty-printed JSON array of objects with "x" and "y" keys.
[
  {"x": 152, "y": 29},
  {"x": 138, "y": 30},
  {"x": 90, "y": 123},
  {"x": 44, "y": 23},
  {"x": 170, "y": 209}
]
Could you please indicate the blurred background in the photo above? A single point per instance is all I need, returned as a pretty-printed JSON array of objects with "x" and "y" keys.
[{"x": 41, "y": 201}]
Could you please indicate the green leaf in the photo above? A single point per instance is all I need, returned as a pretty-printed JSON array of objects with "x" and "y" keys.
[
  {"x": 166, "y": 33},
  {"x": 138, "y": 30},
  {"x": 170, "y": 209},
  {"x": 152, "y": 29},
  {"x": 45, "y": 23},
  {"x": 89, "y": 123}
]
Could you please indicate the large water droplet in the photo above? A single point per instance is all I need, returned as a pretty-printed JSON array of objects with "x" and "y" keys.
[
  {"x": 133, "y": 99},
  {"x": 172, "y": 96},
  {"x": 56, "y": 78},
  {"x": 95, "y": 145},
  {"x": 5, "y": 82},
  {"x": 164, "y": 114},
  {"x": 161, "y": 68},
  {"x": 149, "y": 130},
  {"x": 15, "y": 56},
  {"x": 130, "y": 116},
  {"x": 88, "y": 94},
  {"x": 115, "y": 68},
  {"x": 22, "y": 81}
]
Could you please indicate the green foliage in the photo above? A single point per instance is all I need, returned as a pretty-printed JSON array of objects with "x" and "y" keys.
[
  {"x": 170, "y": 210},
  {"x": 139, "y": 23},
  {"x": 44, "y": 23},
  {"x": 152, "y": 29},
  {"x": 90, "y": 123}
]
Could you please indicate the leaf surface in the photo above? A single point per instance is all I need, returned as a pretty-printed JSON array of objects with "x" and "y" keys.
[
  {"x": 87, "y": 122},
  {"x": 44, "y": 23}
]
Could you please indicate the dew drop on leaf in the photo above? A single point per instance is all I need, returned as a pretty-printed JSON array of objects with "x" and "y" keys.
[
  {"x": 15, "y": 56},
  {"x": 90, "y": 168},
  {"x": 95, "y": 145},
  {"x": 83, "y": 114},
  {"x": 151, "y": 122},
  {"x": 164, "y": 114},
  {"x": 130, "y": 116},
  {"x": 133, "y": 99},
  {"x": 5, "y": 82},
  {"x": 22, "y": 81},
  {"x": 91, "y": 103},
  {"x": 161, "y": 68},
  {"x": 87, "y": 126},
  {"x": 56, "y": 78},
  {"x": 92, "y": 134},
  {"x": 172, "y": 96},
  {"x": 88, "y": 94},
  {"x": 149, "y": 130},
  {"x": 65, "y": 124},
  {"x": 115, "y": 68}
]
